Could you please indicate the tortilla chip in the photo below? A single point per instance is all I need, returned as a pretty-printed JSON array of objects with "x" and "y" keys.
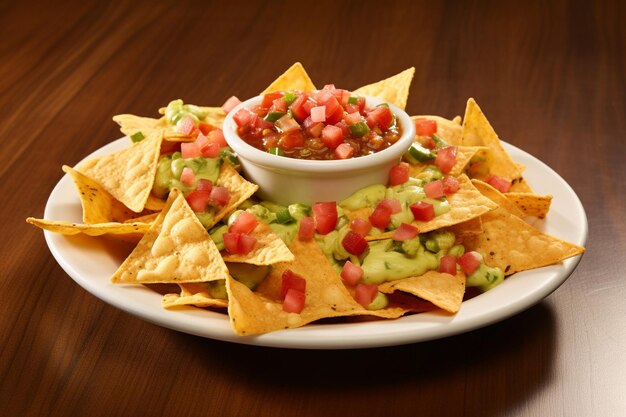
[
  {"x": 531, "y": 204},
  {"x": 466, "y": 204},
  {"x": 326, "y": 296},
  {"x": 477, "y": 131},
  {"x": 131, "y": 124},
  {"x": 394, "y": 89},
  {"x": 215, "y": 117},
  {"x": 97, "y": 229},
  {"x": 498, "y": 198},
  {"x": 196, "y": 294},
  {"x": 448, "y": 130},
  {"x": 240, "y": 190},
  {"x": 443, "y": 290},
  {"x": 127, "y": 174},
  {"x": 295, "y": 78},
  {"x": 467, "y": 229},
  {"x": 98, "y": 205},
  {"x": 176, "y": 248},
  {"x": 154, "y": 203},
  {"x": 513, "y": 245},
  {"x": 269, "y": 249}
]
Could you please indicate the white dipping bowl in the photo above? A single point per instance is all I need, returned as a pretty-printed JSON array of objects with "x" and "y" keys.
[{"x": 286, "y": 180}]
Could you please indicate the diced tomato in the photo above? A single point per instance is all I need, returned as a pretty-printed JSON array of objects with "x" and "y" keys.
[
  {"x": 198, "y": 200},
  {"x": 446, "y": 159},
  {"x": 399, "y": 174},
  {"x": 279, "y": 105},
  {"x": 287, "y": 124},
  {"x": 294, "y": 139},
  {"x": 315, "y": 130},
  {"x": 360, "y": 226},
  {"x": 351, "y": 273},
  {"x": 323, "y": 95},
  {"x": 332, "y": 136},
  {"x": 231, "y": 242},
  {"x": 187, "y": 177},
  {"x": 325, "y": 216},
  {"x": 268, "y": 99},
  {"x": 336, "y": 116},
  {"x": 371, "y": 121},
  {"x": 425, "y": 127},
  {"x": 382, "y": 116},
  {"x": 365, "y": 294},
  {"x": 345, "y": 130},
  {"x": 318, "y": 114},
  {"x": 361, "y": 104},
  {"x": 354, "y": 243},
  {"x": 189, "y": 150},
  {"x": 447, "y": 264},
  {"x": 469, "y": 261},
  {"x": 217, "y": 136},
  {"x": 207, "y": 148},
  {"x": 294, "y": 301},
  {"x": 434, "y": 189},
  {"x": 204, "y": 185},
  {"x": 353, "y": 118},
  {"x": 308, "y": 105},
  {"x": 430, "y": 144},
  {"x": 306, "y": 230},
  {"x": 351, "y": 108},
  {"x": 205, "y": 128},
  {"x": 242, "y": 117},
  {"x": 292, "y": 281},
  {"x": 393, "y": 204},
  {"x": 187, "y": 126},
  {"x": 219, "y": 196},
  {"x": 230, "y": 104},
  {"x": 344, "y": 151},
  {"x": 381, "y": 216},
  {"x": 450, "y": 185},
  {"x": 405, "y": 232},
  {"x": 501, "y": 184},
  {"x": 297, "y": 109},
  {"x": 244, "y": 223},
  {"x": 246, "y": 244},
  {"x": 423, "y": 211}
]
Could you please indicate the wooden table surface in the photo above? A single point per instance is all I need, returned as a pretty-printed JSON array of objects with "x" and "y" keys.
[{"x": 551, "y": 77}]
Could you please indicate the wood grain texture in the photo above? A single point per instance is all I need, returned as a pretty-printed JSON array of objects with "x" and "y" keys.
[{"x": 551, "y": 76}]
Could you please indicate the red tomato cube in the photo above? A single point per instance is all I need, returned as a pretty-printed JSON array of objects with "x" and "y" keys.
[
  {"x": 246, "y": 244},
  {"x": 446, "y": 159},
  {"x": 217, "y": 136},
  {"x": 231, "y": 242},
  {"x": 405, "y": 232},
  {"x": 360, "y": 226},
  {"x": 423, "y": 211},
  {"x": 187, "y": 177},
  {"x": 469, "y": 262},
  {"x": 187, "y": 126},
  {"x": 292, "y": 281},
  {"x": 447, "y": 264},
  {"x": 294, "y": 301},
  {"x": 380, "y": 217},
  {"x": 344, "y": 151},
  {"x": 354, "y": 243},
  {"x": 450, "y": 185},
  {"x": 198, "y": 200},
  {"x": 399, "y": 174},
  {"x": 230, "y": 104},
  {"x": 501, "y": 184},
  {"x": 189, "y": 150},
  {"x": 382, "y": 116},
  {"x": 325, "y": 216},
  {"x": 306, "y": 231},
  {"x": 434, "y": 189},
  {"x": 365, "y": 294},
  {"x": 244, "y": 223},
  {"x": 425, "y": 127},
  {"x": 351, "y": 273},
  {"x": 219, "y": 196}
]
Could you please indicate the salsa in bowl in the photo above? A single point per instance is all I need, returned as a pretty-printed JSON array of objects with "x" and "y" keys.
[{"x": 297, "y": 154}]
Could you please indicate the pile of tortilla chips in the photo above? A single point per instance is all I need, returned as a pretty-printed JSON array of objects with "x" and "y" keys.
[{"x": 173, "y": 247}]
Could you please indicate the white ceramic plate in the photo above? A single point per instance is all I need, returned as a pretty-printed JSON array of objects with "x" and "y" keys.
[{"x": 91, "y": 261}]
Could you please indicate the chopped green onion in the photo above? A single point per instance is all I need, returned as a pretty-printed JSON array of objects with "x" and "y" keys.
[
  {"x": 359, "y": 129},
  {"x": 276, "y": 151},
  {"x": 284, "y": 217},
  {"x": 353, "y": 100},
  {"x": 439, "y": 142},
  {"x": 289, "y": 97},
  {"x": 420, "y": 153},
  {"x": 274, "y": 115},
  {"x": 137, "y": 137}
]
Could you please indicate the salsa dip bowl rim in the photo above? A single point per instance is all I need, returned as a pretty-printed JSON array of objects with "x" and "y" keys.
[{"x": 258, "y": 157}]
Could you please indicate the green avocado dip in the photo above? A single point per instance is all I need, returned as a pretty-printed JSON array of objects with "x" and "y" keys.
[{"x": 176, "y": 111}]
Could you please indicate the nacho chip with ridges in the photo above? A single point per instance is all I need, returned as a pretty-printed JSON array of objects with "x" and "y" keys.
[
  {"x": 131, "y": 124},
  {"x": 497, "y": 197},
  {"x": 448, "y": 130},
  {"x": 326, "y": 296},
  {"x": 394, "y": 89},
  {"x": 269, "y": 249},
  {"x": 193, "y": 294},
  {"x": 154, "y": 203},
  {"x": 477, "y": 131},
  {"x": 295, "y": 78},
  {"x": 176, "y": 248},
  {"x": 466, "y": 204},
  {"x": 464, "y": 155},
  {"x": 531, "y": 204},
  {"x": 129, "y": 173},
  {"x": 513, "y": 245},
  {"x": 98, "y": 205},
  {"x": 443, "y": 290},
  {"x": 95, "y": 229}
]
